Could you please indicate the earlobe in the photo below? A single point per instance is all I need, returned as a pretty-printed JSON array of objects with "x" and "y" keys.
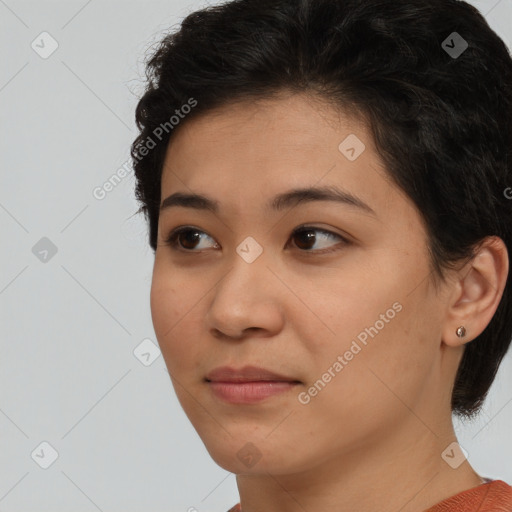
[
  {"x": 458, "y": 336},
  {"x": 461, "y": 331},
  {"x": 478, "y": 289}
]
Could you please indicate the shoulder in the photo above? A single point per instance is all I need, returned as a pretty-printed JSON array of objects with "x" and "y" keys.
[
  {"x": 491, "y": 496},
  {"x": 498, "y": 497}
]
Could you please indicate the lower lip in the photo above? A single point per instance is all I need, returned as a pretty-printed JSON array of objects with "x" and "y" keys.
[{"x": 249, "y": 392}]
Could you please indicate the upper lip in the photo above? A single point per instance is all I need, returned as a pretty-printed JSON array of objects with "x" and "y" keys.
[{"x": 246, "y": 374}]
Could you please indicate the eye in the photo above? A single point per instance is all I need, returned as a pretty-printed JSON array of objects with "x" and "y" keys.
[
  {"x": 186, "y": 238},
  {"x": 307, "y": 238}
]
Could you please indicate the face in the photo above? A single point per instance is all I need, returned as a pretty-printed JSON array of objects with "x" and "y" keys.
[{"x": 332, "y": 294}]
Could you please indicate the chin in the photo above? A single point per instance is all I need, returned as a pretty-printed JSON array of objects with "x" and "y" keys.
[{"x": 240, "y": 455}]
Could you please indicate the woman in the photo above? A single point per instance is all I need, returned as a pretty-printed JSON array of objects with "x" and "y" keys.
[{"x": 325, "y": 183}]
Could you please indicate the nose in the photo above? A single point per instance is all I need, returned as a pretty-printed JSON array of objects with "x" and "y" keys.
[{"x": 247, "y": 300}]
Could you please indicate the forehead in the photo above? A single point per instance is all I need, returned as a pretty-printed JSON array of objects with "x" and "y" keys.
[
  {"x": 282, "y": 139},
  {"x": 244, "y": 154}
]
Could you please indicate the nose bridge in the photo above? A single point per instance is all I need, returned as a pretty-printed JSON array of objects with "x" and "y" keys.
[
  {"x": 248, "y": 271},
  {"x": 243, "y": 298}
]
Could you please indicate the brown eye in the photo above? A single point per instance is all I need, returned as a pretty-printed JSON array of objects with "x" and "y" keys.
[
  {"x": 186, "y": 238},
  {"x": 306, "y": 238}
]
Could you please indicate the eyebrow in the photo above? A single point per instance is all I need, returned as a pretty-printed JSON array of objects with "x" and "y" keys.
[{"x": 278, "y": 203}]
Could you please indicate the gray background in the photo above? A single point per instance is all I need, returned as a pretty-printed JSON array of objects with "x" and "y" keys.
[{"x": 71, "y": 374}]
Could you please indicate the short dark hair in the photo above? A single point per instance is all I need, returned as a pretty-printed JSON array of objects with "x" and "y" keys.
[{"x": 441, "y": 122}]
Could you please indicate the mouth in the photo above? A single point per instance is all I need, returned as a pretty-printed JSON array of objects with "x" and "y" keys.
[
  {"x": 249, "y": 392},
  {"x": 248, "y": 385},
  {"x": 246, "y": 374}
]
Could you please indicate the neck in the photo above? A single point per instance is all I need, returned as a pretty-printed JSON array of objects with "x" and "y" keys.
[{"x": 406, "y": 472}]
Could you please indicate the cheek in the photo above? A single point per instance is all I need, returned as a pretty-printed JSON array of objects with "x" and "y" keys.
[
  {"x": 390, "y": 373},
  {"x": 387, "y": 353},
  {"x": 164, "y": 305},
  {"x": 173, "y": 295},
  {"x": 373, "y": 393},
  {"x": 174, "y": 307}
]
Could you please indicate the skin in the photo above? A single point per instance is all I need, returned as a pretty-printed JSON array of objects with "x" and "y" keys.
[{"x": 373, "y": 437}]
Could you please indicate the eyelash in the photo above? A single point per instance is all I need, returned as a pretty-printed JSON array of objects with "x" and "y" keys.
[{"x": 172, "y": 238}]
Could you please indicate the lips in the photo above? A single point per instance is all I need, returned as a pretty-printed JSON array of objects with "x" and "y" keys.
[
  {"x": 246, "y": 374},
  {"x": 249, "y": 385}
]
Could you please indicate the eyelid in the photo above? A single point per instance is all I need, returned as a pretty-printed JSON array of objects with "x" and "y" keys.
[{"x": 171, "y": 238}]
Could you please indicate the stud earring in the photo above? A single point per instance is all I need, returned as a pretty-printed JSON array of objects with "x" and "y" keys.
[{"x": 461, "y": 331}]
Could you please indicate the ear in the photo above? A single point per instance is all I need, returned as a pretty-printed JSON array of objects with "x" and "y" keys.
[{"x": 477, "y": 291}]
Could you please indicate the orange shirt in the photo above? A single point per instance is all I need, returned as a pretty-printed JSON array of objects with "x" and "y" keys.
[{"x": 493, "y": 496}]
